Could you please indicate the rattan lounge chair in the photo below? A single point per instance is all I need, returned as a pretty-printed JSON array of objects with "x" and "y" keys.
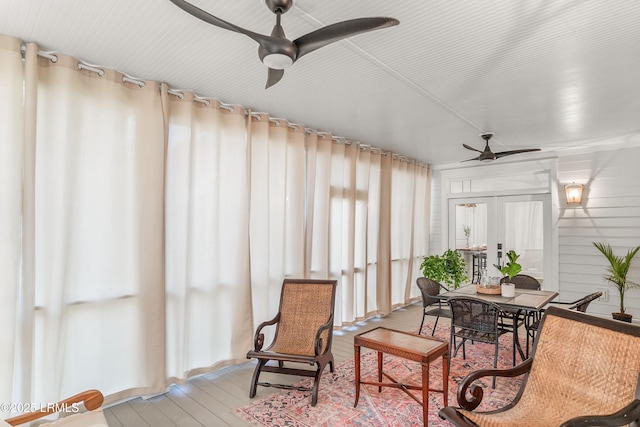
[
  {"x": 303, "y": 334},
  {"x": 583, "y": 371},
  {"x": 431, "y": 304}
]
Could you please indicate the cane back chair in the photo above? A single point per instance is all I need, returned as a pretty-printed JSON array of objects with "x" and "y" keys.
[
  {"x": 583, "y": 371},
  {"x": 303, "y": 334}
]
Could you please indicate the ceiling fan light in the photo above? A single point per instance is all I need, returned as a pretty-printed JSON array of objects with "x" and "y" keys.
[{"x": 277, "y": 61}]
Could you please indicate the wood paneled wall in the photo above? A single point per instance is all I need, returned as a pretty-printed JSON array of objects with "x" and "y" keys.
[{"x": 610, "y": 212}]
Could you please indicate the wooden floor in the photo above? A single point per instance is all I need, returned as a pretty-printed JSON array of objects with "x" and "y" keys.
[{"x": 209, "y": 400}]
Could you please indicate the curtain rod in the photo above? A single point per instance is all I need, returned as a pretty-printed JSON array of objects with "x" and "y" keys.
[{"x": 229, "y": 107}]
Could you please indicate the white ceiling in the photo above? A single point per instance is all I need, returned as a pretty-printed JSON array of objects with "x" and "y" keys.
[{"x": 538, "y": 73}]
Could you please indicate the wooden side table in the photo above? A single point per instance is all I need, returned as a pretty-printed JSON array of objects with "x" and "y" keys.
[{"x": 409, "y": 346}]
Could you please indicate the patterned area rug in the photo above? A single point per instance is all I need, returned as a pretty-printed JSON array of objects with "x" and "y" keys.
[{"x": 391, "y": 407}]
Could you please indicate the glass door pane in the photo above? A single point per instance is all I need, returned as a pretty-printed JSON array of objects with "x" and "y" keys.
[
  {"x": 470, "y": 232},
  {"x": 522, "y": 229},
  {"x": 498, "y": 224}
]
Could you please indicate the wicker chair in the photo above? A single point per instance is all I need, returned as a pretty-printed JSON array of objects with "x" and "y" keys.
[
  {"x": 475, "y": 320},
  {"x": 521, "y": 281},
  {"x": 303, "y": 334},
  {"x": 578, "y": 305},
  {"x": 583, "y": 371},
  {"x": 431, "y": 304}
]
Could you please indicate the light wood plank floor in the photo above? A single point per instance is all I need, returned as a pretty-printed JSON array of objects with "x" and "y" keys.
[{"x": 209, "y": 400}]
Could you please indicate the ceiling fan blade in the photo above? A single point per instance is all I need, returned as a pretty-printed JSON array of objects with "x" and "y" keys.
[
  {"x": 273, "y": 77},
  {"x": 338, "y": 31},
  {"x": 209, "y": 18},
  {"x": 508, "y": 153},
  {"x": 471, "y": 148},
  {"x": 475, "y": 158}
]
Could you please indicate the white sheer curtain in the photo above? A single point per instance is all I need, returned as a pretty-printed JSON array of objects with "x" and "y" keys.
[
  {"x": 98, "y": 303},
  {"x": 524, "y": 233},
  {"x": 343, "y": 223},
  {"x": 208, "y": 280},
  {"x": 409, "y": 226},
  {"x": 144, "y": 235},
  {"x": 11, "y": 159},
  {"x": 277, "y": 210}
]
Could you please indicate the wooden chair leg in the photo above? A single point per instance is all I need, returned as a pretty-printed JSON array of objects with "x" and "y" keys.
[
  {"x": 256, "y": 376},
  {"x": 316, "y": 384}
]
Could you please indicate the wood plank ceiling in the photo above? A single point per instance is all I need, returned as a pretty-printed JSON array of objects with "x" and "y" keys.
[{"x": 547, "y": 74}]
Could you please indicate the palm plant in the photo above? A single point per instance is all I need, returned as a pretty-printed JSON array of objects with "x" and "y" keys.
[{"x": 618, "y": 269}]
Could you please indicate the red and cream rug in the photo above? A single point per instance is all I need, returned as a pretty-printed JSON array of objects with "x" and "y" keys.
[{"x": 391, "y": 407}]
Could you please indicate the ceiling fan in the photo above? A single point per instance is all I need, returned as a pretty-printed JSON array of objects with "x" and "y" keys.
[
  {"x": 487, "y": 155},
  {"x": 276, "y": 51}
]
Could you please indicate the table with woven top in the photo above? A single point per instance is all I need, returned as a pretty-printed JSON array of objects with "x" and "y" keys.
[{"x": 421, "y": 349}]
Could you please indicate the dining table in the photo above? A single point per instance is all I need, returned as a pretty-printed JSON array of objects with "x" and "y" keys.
[{"x": 524, "y": 301}]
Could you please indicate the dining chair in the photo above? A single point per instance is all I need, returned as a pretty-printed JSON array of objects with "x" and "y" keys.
[
  {"x": 577, "y": 305},
  {"x": 523, "y": 281},
  {"x": 475, "y": 320},
  {"x": 303, "y": 334},
  {"x": 431, "y": 304},
  {"x": 582, "y": 372},
  {"x": 507, "y": 321}
]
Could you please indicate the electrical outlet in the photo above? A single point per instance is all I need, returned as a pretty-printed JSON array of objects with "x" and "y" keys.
[{"x": 605, "y": 294}]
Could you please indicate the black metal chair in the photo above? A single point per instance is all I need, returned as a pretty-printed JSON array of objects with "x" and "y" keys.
[
  {"x": 431, "y": 304},
  {"x": 521, "y": 281},
  {"x": 578, "y": 305},
  {"x": 303, "y": 334},
  {"x": 474, "y": 320},
  {"x": 583, "y": 372}
]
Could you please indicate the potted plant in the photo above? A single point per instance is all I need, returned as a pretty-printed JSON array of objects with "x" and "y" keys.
[
  {"x": 511, "y": 267},
  {"x": 467, "y": 232},
  {"x": 448, "y": 269},
  {"x": 617, "y": 274}
]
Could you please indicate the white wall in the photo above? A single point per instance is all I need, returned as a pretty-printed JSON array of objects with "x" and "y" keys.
[{"x": 610, "y": 213}]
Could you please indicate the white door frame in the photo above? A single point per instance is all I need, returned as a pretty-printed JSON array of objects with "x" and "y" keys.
[
  {"x": 537, "y": 177},
  {"x": 495, "y": 233}
]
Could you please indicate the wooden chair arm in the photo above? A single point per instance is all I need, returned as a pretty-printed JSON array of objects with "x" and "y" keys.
[
  {"x": 626, "y": 415},
  {"x": 476, "y": 390},
  {"x": 321, "y": 329},
  {"x": 451, "y": 414},
  {"x": 258, "y": 339},
  {"x": 92, "y": 399}
]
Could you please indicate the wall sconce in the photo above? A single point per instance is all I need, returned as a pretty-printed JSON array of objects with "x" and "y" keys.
[{"x": 574, "y": 193}]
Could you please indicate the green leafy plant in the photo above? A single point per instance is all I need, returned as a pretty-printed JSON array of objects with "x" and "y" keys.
[
  {"x": 467, "y": 231},
  {"x": 618, "y": 269},
  {"x": 511, "y": 268},
  {"x": 448, "y": 269}
]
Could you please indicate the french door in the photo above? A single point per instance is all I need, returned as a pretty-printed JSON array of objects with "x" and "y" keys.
[{"x": 489, "y": 227}]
